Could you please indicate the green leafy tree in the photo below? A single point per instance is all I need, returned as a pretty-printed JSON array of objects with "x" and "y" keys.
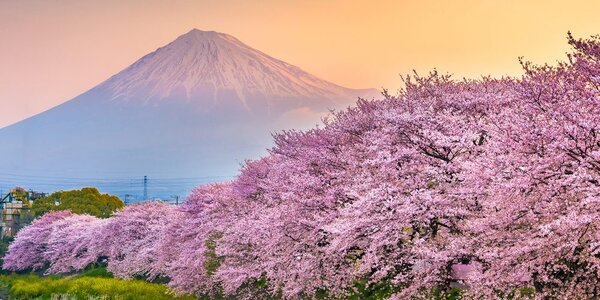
[
  {"x": 20, "y": 194},
  {"x": 85, "y": 201}
]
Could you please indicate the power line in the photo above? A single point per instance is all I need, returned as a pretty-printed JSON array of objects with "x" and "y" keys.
[
  {"x": 3, "y": 174},
  {"x": 130, "y": 189}
]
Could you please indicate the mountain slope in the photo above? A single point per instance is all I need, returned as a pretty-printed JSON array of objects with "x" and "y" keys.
[
  {"x": 196, "y": 107},
  {"x": 202, "y": 60}
]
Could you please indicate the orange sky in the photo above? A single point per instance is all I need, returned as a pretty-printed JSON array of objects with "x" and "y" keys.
[{"x": 51, "y": 51}]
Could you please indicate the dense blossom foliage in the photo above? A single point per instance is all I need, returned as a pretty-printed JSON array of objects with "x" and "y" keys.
[
  {"x": 73, "y": 243},
  {"x": 28, "y": 250},
  {"x": 130, "y": 240},
  {"x": 187, "y": 254},
  {"x": 492, "y": 185}
]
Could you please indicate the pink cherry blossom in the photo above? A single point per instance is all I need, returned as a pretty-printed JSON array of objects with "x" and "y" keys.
[{"x": 490, "y": 184}]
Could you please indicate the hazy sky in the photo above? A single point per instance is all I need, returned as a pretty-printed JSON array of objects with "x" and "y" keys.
[{"x": 53, "y": 50}]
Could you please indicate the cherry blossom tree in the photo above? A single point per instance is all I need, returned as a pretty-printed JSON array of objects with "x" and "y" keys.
[
  {"x": 188, "y": 250},
  {"x": 376, "y": 194},
  {"x": 28, "y": 249},
  {"x": 541, "y": 226},
  {"x": 491, "y": 185},
  {"x": 130, "y": 239},
  {"x": 73, "y": 243}
]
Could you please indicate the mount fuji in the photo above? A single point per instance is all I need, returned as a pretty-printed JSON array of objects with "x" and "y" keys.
[{"x": 189, "y": 112}]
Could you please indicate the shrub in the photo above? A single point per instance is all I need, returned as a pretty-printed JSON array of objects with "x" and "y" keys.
[
  {"x": 85, "y": 201},
  {"x": 83, "y": 287}
]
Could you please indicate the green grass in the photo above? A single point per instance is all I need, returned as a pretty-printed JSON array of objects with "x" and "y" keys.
[
  {"x": 95, "y": 271},
  {"x": 96, "y": 283},
  {"x": 93, "y": 284}
]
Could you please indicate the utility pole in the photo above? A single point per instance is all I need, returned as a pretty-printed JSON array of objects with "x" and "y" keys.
[{"x": 145, "y": 188}]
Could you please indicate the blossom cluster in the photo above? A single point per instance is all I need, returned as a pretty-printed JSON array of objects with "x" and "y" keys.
[{"x": 492, "y": 185}]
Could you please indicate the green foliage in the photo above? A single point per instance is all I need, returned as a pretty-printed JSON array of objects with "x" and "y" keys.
[
  {"x": 4, "y": 242},
  {"x": 25, "y": 218},
  {"x": 85, "y": 201},
  {"x": 213, "y": 261},
  {"x": 84, "y": 287},
  {"x": 520, "y": 293},
  {"x": 97, "y": 283},
  {"x": 20, "y": 194},
  {"x": 253, "y": 289},
  {"x": 96, "y": 271},
  {"x": 362, "y": 290},
  {"x": 445, "y": 294}
]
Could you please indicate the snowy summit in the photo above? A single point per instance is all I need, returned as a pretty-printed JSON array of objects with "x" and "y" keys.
[{"x": 202, "y": 65}]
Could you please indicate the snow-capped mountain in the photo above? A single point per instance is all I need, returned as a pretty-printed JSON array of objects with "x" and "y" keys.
[
  {"x": 196, "y": 107},
  {"x": 201, "y": 62}
]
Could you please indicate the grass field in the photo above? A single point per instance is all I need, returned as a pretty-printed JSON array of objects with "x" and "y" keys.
[
  {"x": 98, "y": 284},
  {"x": 93, "y": 284}
]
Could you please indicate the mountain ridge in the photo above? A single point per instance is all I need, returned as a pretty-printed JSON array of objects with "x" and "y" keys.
[
  {"x": 173, "y": 113},
  {"x": 212, "y": 60}
]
